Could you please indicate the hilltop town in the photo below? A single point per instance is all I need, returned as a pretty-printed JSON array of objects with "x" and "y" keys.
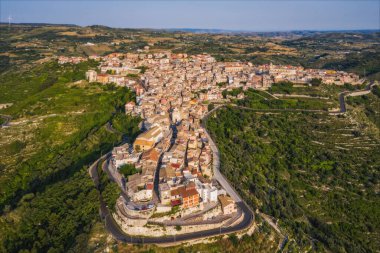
[
  {"x": 186, "y": 142},
  {"x": 203, "y": 72},
  {"x": 166, "y": 175}
]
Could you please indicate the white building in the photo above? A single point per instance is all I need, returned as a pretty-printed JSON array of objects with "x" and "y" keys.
[
  {"x": 164, "y": 191},
  {"x": 143, "y": 195},
  {"x": 207, "y": 192},
  {"x": 176, "y": 115},
  {"x": 91, "y": 76},
  {"x": 122, "y": 159}
]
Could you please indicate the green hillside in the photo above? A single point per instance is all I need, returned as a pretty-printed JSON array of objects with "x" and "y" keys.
[
  {"x": 47, "y": 199},
  {"x": 316, "y": 174}
]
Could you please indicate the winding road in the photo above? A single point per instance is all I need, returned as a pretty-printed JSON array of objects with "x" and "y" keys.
[
  {"x": 114, "y": 229},
  {"x": 344, "y": 94}
]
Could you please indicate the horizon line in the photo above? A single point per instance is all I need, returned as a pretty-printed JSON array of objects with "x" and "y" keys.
[{"x": 205, "y": 29}]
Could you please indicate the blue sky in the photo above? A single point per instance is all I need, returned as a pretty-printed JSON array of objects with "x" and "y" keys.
[{"x": 235, "y": 15}]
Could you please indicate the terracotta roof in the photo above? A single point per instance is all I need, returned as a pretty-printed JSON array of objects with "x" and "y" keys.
[
  {"x": 170, "y": 172},
  {"x": 225, "y": 200},
  {"x": 151, "y": 154},
  {"x": 149, "y": 186},
  {"x": 204, "y": 180},
  {"x": 143, "y": 142},
  {"x": 183, "y": 192},
  {"x": 177, "y": 191},
  {"x": 190, "y": 185},
  {"x": 189, "y": 193},
  {"x": 175, "y": 202},
  {"x": 175, "y": 165},
  {"x": 148, "y": 135}
]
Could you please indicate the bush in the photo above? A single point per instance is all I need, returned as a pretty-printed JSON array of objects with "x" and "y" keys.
[
  {"x": 128, "y": 169},
  {"x": 134, "y": 76},
  {"x": 282, "y": 87},
  {"x": 142, "y": 69},
  {"x": 15, "y": 147},
  {"x": 126, "y": 125},
  {"x": 234, "y": 239},
  {"x": 316, "y": 81}
]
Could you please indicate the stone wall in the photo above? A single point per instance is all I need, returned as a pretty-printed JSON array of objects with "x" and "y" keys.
[
  {"x": 123, "y": 221},
  {"x": 158, "y": 231}
]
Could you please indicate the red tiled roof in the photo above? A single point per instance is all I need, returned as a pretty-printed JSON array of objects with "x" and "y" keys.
[
  {"x": 175, "y": 165},
  {"x": 189, "y": 193},
  {"x": 151, "y": 154},
  {"x": 175, "y": 202}
]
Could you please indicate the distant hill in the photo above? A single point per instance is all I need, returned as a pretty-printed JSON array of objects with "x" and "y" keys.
[
  {"x": 272, "y": 33},
  {"x": 214, "y": 30},
  {"x": 39, "y": 24}
]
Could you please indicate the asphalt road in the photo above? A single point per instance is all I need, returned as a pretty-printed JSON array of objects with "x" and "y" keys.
[
  {"x": 344, "y": 94},
  {"x": 216, "y": 163},
  {"x": 118, "y": 234},
  {"x": 7, "y": 118}
]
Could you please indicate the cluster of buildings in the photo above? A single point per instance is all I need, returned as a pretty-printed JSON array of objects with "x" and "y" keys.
[
  {"x": 72, "y": 60},
  {"x": 202, "y": 73},
  {"x": 300, "y": 75},
  {"x": 173, "y": 152},
  {"x": 173, "y": 155},
  {"x": 185, "y": 169}
]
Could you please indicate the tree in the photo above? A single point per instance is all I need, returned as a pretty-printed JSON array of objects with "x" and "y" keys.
[
  {"x": 234, "y": 239},
  {"x": 128, "y": 169},
  {"x": 316, "y": 81},
  {"x": 142, "y": 69}
]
